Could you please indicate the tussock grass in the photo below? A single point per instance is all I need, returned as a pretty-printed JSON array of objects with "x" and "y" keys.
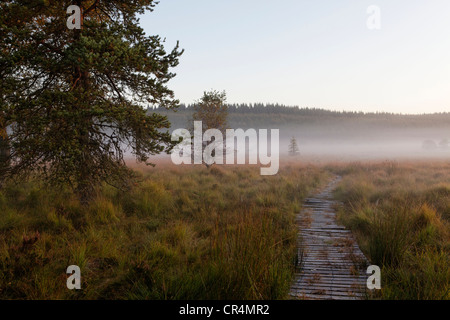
[
  {"x": 180, "y": 233},
  {"x": 400, "y": 214}
]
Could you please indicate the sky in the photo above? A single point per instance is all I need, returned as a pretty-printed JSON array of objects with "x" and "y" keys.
[{"x": 316, "y": 54}]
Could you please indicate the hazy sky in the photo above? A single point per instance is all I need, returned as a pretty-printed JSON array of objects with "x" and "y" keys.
[{"x": 311, "y": 53}]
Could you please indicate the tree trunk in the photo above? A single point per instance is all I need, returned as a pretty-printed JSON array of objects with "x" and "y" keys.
[
  {"x": 4, "y": 154},
  {"x": 86, "y": 177},
  {"x": 85, "y": 185}
]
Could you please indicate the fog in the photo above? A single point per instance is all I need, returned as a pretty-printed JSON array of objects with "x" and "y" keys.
[
  {"x": 373, "y": 144},
  {"x": 328, "y": 143}
]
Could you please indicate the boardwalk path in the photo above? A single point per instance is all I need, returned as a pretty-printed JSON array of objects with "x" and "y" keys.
[{"x": 331, "y": 264}]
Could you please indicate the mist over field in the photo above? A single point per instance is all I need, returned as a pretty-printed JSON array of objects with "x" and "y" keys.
[
  {"x": 368, "y": 144},
  {"x": 346, "y": 136}
]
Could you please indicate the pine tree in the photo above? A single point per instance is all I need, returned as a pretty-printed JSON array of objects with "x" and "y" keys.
[
  {"x": 212, "y": 111},
  {"x": 73, "y": 99},
  {"x": 293, "y": 147}
]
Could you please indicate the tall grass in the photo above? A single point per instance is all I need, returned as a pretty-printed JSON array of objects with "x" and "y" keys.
[
  {"x": 180, "y": 233},
  {"x": 400, "y": 214}
]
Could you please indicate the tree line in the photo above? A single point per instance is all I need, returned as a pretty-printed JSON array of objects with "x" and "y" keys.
[{"x": 260, "y": 115}]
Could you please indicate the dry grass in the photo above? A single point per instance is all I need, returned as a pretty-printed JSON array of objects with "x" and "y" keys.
[
  {"x": 400, "y": 213},
  {"x": 223, "y": 233},
  {"x": 181, "y": 233}
]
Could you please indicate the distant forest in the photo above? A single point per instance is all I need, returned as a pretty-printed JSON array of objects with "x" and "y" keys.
[{"x": 260, "y": 115}]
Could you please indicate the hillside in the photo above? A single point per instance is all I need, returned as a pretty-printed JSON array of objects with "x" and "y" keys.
[
  {"x": 324, "y": 127},
  {"x": 273, "y": 116}
]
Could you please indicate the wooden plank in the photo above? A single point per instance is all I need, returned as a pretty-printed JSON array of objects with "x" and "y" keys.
[
  {"x": 319, "y": 291},
  {"x": 331, "y": 293},
  {"x": 322, "y": 297},
  {"x": 330, "y": 286},
  {"x": 334, "y": 278},
  {"x": 328, "y": 250}
]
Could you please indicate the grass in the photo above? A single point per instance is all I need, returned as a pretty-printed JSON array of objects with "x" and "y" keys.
[
  {"x": 222, "y": 233},
  {"x": 400, "y": 214},
  {"x": 180, "y": 233}
]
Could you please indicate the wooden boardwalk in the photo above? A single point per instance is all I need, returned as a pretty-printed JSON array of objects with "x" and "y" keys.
[{"x": 331, "y": 265}]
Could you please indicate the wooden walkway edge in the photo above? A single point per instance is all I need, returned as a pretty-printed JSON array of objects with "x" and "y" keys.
[{"x": 331, "y": 265}]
